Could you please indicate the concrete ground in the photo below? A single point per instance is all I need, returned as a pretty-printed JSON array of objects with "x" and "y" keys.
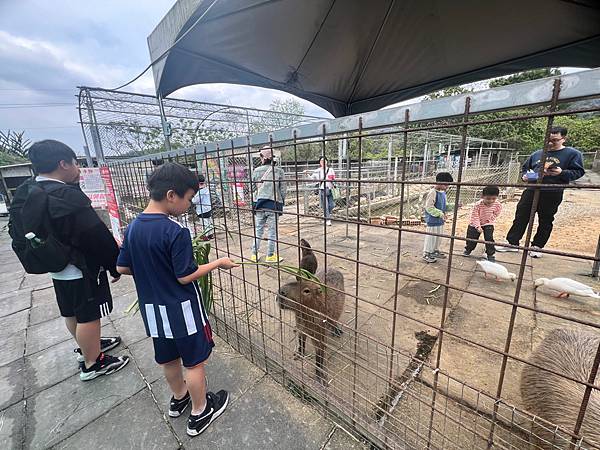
[{"x": 43, "y": 404}]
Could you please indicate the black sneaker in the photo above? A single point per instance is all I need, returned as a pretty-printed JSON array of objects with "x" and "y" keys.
[
  {"x": 215, "y": 405},
  {"x": 104, "y": 365},
  {"x": 177, "y": 407},
  {"x": 428, "y": 258},
  {"x": 106, "y": 344}
]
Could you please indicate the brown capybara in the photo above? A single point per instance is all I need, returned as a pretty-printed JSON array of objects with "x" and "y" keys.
[
  {"x": 556, "y": 399},
  {"x": 318, "y": 308},
  {"x": 309, "y": 260}
]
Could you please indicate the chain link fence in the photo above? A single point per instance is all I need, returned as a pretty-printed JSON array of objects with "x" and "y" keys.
[{"x": 123, "y": 124}]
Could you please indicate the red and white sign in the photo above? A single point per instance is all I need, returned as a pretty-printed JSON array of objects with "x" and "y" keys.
[
  {"x": 93, "y": 186},
  {"x": 112, "y": 204},
  {"x": 239, "y": 194}
]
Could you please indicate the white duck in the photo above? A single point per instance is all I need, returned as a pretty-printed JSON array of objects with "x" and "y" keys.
[
  {"x": 566, "y": 286},
  {"x": 496, "y": 270}
]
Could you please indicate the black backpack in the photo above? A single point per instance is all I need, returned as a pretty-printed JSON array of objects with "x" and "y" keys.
[{"x": 28, "y": 212}]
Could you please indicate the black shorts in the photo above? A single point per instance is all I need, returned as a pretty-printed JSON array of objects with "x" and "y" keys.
[
  {"x": 192, "y": 349},
  {"x": 84, "y": 299}
]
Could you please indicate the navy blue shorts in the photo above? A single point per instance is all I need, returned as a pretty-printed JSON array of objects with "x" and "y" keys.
[{"x": 192, "y": 349}]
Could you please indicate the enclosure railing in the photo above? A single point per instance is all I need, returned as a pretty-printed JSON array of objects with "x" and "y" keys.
[{"x": 419, "y": 355}]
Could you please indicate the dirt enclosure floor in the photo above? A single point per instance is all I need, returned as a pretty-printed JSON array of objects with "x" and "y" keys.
[{"x": 372, "y": 382}]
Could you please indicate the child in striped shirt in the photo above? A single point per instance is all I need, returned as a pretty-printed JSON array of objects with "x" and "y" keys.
[{"x": 484, "y": 215}]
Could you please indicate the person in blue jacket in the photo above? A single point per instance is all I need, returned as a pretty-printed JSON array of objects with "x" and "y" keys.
[
  {"x": 563, "y": 165},
  {"x": 203, "y": 206},
  {"x": 436, "y": 208}
]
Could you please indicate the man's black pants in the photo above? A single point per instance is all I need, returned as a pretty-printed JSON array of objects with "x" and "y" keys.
[
  {"x": 546, "y": 209},
  {"x": 488, "y": 235}
]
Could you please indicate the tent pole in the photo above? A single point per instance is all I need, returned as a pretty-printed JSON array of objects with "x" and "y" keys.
[{"x": 166, "y": 126}]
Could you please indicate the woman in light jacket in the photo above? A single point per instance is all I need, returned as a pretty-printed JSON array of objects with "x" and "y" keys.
[
  {"x": 268, "y": 205},
  {"x": 326, "y": 176}
]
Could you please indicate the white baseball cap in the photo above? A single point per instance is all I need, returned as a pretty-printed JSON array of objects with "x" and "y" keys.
[{"x": 266, "y": 152}]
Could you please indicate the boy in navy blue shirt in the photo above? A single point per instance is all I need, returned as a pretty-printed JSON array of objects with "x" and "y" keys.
[{"x": 157, "y": 251}]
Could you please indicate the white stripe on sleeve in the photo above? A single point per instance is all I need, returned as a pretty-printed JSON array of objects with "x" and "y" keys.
[
  {"x": 188, "y": 315},
  {"x": 165, "y": 321},
  {"x": 151, "y": 320}
]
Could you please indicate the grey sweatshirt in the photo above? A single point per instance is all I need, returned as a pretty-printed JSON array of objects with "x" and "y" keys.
[{"x": 262, "y": 177}]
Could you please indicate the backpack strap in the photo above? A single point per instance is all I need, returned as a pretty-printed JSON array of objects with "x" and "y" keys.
[{"x": 264, "y": 177}]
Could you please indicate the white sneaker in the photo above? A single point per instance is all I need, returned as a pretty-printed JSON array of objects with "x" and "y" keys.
[
  {"x": 534, "y": 253},
  {"x": 507, "y": 249},
  {"x": 329, "y": 222}
]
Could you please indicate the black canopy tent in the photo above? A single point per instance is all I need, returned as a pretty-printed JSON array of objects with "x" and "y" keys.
[{"x": 352, "y": 56}]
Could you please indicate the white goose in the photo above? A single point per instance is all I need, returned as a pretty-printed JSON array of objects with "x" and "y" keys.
[
  {"x": 566, "y": 286},
  {"x": 496, "y": 270}
]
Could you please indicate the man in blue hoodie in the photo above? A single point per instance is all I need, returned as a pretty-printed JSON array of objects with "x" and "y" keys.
[{"x": 563, "y": 165}]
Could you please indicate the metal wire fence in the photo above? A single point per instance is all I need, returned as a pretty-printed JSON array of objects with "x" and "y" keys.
[
  {"x": 124, "y": 124},
  {"x": 417, "y": 355}
]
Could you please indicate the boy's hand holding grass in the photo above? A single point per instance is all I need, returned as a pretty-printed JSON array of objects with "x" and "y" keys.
[
  {"x": 205, "y": 269},
  {"x": 226, "y": 263}
]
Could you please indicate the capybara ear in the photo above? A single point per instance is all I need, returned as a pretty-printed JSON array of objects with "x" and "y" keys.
[{"x": 309, "y": 260}]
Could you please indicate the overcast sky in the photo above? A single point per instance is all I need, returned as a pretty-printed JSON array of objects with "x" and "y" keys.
[{"x": 48, "y": 47}]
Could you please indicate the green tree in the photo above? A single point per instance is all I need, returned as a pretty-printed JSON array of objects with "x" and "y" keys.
[
  {"x": 584, "y": 133},
  {"x": 282, "y": 114},
  {"x": 448, "y": 92},
  {"x": 7, "y": 159},
  {"x": 528, "y": 75},
  {"x": 528, "y": 135},
  {"x": 13, "y": 147},
  {"x": 131, "y": 138}
]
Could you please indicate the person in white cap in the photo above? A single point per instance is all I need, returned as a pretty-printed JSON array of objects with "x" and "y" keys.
[{"x": 270, "y": 188}]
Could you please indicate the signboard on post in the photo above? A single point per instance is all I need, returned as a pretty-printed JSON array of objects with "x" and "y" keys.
[
  {"x": 92, "y": 185},
  {"x": 113, "y": 206}
]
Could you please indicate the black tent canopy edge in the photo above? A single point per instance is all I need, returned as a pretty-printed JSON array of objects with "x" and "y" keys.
[
  {"x": 338, "y": 108},
  {"x": 200, "y": 59}
]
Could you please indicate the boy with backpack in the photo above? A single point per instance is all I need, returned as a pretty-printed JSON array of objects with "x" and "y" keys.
[
  {"x": 55, "y": 230},
  {"x": 158, "y": 252}
]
